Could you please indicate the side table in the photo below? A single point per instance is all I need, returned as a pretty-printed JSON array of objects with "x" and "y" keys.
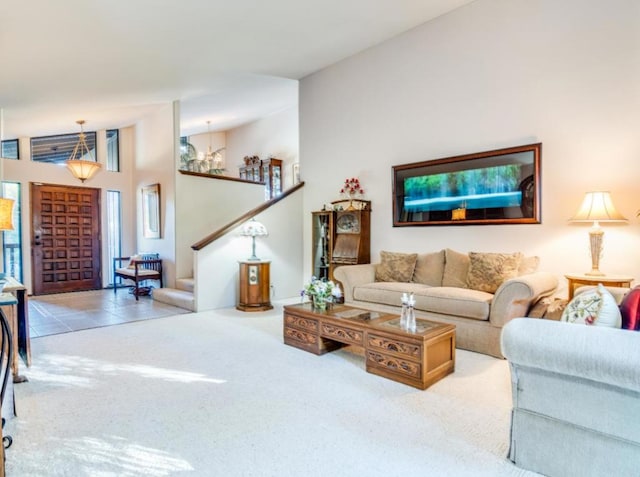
[
  {"x": 577, "y": 280},
  {"x": 255, "y": 286}
]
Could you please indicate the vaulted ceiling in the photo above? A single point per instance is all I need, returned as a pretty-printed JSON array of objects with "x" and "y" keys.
[{"x": 228, "y": 61}]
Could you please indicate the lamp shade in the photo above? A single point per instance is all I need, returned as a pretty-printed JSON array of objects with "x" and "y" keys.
[
  {"x": 6, "y": 214},
  {"x": 598, "y": 207},
  {"x": 253, "y": 228},
  {"x": 82, "y": 170}
]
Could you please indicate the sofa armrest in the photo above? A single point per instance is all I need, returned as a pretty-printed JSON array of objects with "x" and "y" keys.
[
  {"x": 514, "y": 297},
  {"x": 350, "y": 276},
  {"x": 605, "y": 355}
]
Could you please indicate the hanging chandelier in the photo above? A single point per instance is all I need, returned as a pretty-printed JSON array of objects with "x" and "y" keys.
[
  {"x": 80, "y": 168},
  {"x": 213, "y": 159}
]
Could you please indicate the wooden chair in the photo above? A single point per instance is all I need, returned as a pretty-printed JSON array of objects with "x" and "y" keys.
[{"x": 147, "y": 266}]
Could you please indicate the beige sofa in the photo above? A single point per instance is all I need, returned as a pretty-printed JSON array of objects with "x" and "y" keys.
[{"x": 440, "y": 284}]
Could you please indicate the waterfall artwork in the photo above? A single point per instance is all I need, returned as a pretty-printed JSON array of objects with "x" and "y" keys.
[{"x": 492, "y": 187}]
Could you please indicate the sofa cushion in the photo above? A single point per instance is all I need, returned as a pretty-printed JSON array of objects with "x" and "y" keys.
[
  {"x": 456, "y": 269},
  {"x": 462, "y": 302},
  {"x": 630, "y": 310},
  {"x": 386, "y": 293},
  {"x": 429, "y": 269},
  {"x": 595, "y": 307},
  {"x": 487, "y": 271},
  {"x": 445, "y": 300},
  {"x": 395, "y": 267}
]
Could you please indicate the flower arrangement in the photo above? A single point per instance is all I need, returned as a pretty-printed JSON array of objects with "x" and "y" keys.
[
  {"x": 321, "y": 291},
  {"x": 352, "y": 187}
]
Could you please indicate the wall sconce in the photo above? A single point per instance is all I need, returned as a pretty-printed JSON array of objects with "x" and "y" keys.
[
  {"x": 597, "y": 207},
  {"x": 80, "y": 168},
  {"x": 253, "y": 229}
]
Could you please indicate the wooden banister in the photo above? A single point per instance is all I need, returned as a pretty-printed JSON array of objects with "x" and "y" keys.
[{"x": 244, "y": 217}]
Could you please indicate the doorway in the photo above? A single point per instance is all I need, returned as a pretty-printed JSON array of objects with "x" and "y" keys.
[{"x": 65, "y": 238}]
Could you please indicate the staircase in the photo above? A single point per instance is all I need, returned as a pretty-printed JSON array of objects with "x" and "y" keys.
[{"x": 181, "y": 296}]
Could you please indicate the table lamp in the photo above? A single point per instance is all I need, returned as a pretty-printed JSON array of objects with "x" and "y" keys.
[
  {"x": 252, "y": 229},
  {"x": 597, "y": 207}
]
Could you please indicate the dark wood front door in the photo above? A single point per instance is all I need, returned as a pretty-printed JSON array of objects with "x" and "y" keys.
[{"x": 65, "y": 238}]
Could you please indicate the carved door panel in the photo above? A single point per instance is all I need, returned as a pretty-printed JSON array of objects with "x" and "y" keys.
[{"x": 65, "y": 238}]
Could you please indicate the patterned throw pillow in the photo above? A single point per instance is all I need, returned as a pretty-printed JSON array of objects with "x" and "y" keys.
[
  {"x": 595, "y": 307},
  {"x": 396, "y": 267},
  {"x": 487, "y": 271}
]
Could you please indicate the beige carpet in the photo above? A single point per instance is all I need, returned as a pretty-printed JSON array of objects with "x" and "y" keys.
[{"x": 219, "y": 394}]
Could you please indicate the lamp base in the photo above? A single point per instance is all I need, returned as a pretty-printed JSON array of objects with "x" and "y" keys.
[{"x": 595, "y": 273}]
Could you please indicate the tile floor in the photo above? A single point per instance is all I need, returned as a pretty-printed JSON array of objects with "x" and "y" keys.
[{"x": 65, "y": 312}]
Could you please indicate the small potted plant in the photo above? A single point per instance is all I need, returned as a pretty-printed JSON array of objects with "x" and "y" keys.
[{"x": 322, "y": 292}]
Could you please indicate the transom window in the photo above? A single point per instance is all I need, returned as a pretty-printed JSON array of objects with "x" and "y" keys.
[
  {"x": 10, "y": 149},
  {"x": 58, "y": 149}
]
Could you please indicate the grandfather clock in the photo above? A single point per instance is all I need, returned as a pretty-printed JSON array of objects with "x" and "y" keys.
[{"x": 353, "y": 237}]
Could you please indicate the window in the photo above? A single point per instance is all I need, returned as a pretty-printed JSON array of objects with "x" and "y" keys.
[
  {"x": 58, "y": 149},
  {"x": 113, "y": 150},
  {"x": 114, "y": 230},
  {"x": 11, "y": 239},
  {"x": 10, "y": 149}
]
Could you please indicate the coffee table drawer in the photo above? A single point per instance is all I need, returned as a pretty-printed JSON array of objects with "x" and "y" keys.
[
  {"x": 393, "y": 364},
  {"x": 394, "y": 347},
  {"x": 301, "y": 323},
  {"x": 342, "y": 334}
]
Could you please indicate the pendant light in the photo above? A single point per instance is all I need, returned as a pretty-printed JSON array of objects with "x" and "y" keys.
[
  {"x": 80, "y": 168},
  {"x": 213, "y": 159}
]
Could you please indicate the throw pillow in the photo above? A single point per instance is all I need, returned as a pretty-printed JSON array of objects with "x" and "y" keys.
[
  {"x": 594, "y": 307},
  {"x": 429, "y": 269},
  {"x": 456, "y": 268},
  {"x": 132, "y": 261},
  {"x": 630, "y": 310},
  {"x": 487, "y": 271},
  {"x": 528, "y": 265},
  {"x": 395, "y": 267}
]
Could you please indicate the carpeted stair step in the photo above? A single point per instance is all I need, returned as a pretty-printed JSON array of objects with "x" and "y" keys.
[
  {"x": 173, "y": 296},
  {"x": 185, "y": 284}
]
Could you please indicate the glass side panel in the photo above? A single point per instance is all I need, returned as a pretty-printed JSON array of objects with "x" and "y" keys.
[
  {"x": 114, "y": 230},
  {"x": 11, "y": 239},
  {"x": 113, "y": 150}
]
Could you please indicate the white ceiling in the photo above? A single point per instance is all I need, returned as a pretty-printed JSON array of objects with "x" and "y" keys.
[{"x": 111, "y": 62}]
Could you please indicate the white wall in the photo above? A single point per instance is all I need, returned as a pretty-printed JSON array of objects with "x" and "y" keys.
[
  {"x": 156, "y": 163},
  {"x": 273, "y": 136},
  {"x": 204, "y": 206},
  {"x": 216, "y": 274},
  {"x": 492, "y": 74}
]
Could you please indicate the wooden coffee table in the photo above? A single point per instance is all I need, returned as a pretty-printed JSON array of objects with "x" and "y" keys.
[{"x": 418, "y": 358}]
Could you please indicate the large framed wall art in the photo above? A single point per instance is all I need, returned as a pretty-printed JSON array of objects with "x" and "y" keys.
[{"x": 491, "y": 187}]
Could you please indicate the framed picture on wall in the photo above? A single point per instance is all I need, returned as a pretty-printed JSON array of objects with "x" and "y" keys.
[
  {"x": 151, "y": 211},
  {"x": 492, "y": 187}
]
